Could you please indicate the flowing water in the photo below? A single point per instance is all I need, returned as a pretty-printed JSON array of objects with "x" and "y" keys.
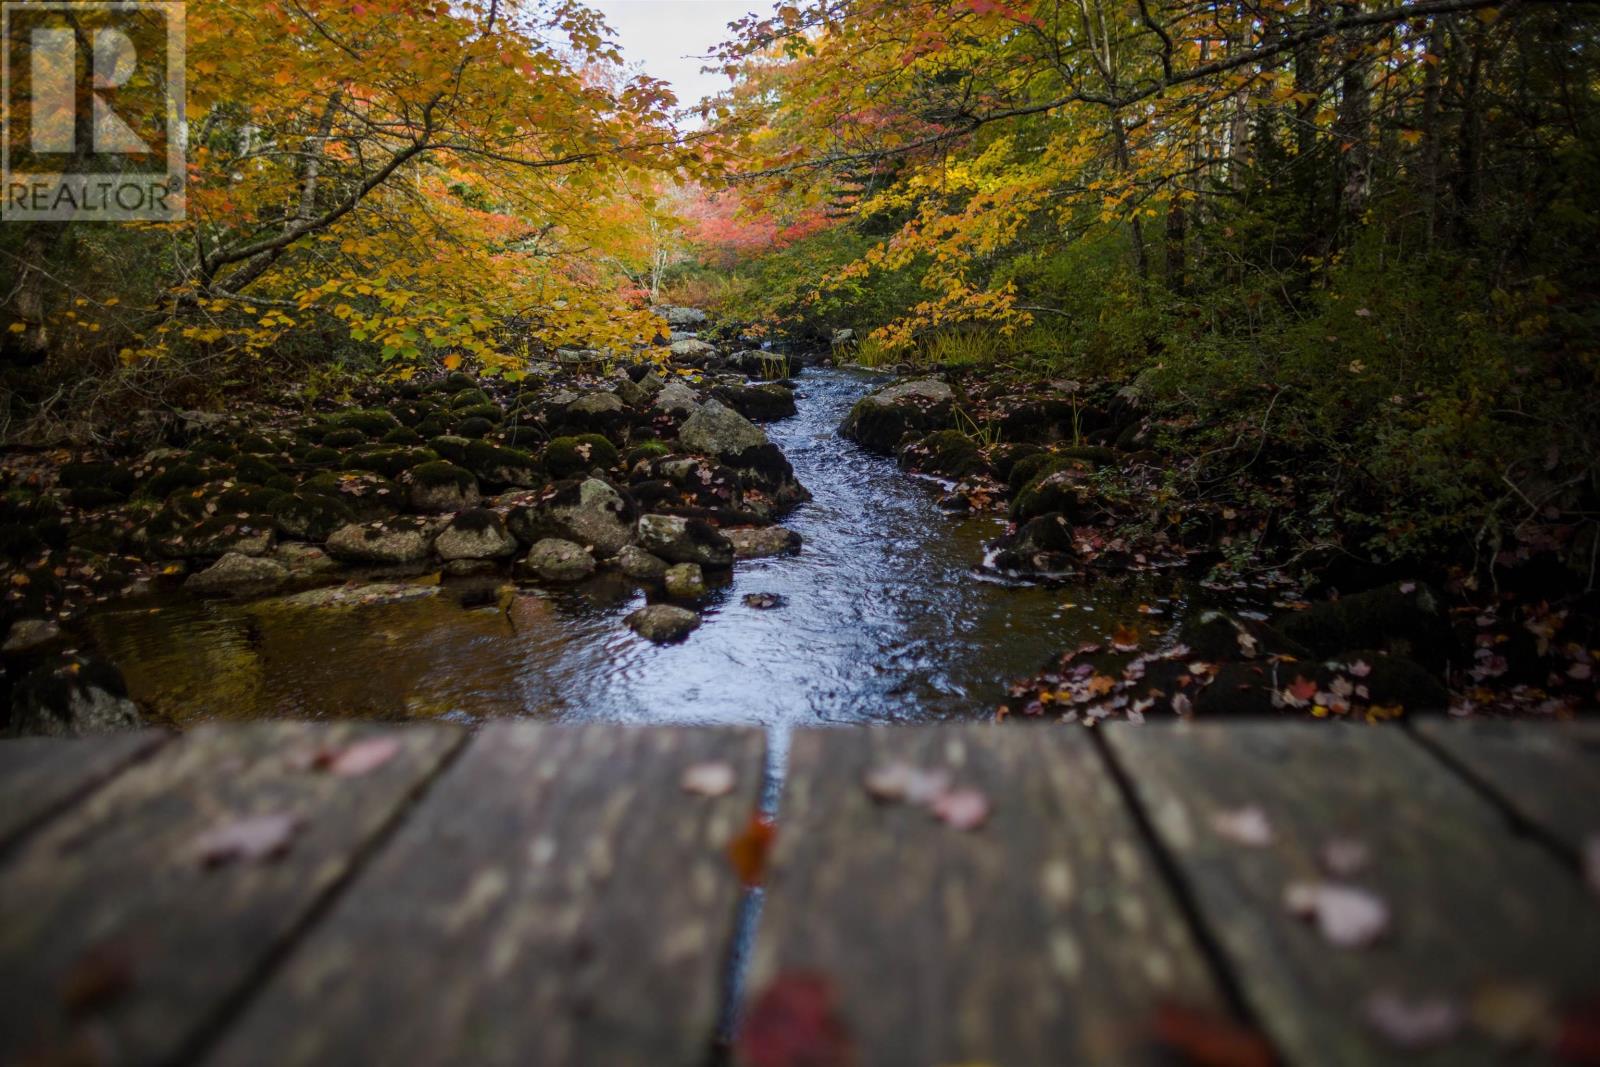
[{"x": 883, "y": 620}]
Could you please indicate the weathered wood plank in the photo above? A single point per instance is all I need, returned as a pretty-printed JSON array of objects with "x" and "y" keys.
[
  {"x": 1548, "y": 773},
  {"x": 113, "y": 931},
  {"x": 1044, "y": 937},
  {"x": 41, "y": 775},
  {"x": 558, "y": 898},
  {"x": 1471, "y": 904}
]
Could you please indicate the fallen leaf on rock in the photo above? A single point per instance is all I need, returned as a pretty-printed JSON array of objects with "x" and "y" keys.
[
  {"x": 709, "y": 779},
  {"x": 795, "y": 1022},
  {"x": 748, "y": 852},
  {"x": 1344, "y": 856},
  {"x": 1207, "y": 1039},
  {"x": 247, "y": 838},
  {"x": 1243, "y": 826},
  {"x": 1125, "y": 639},
  {"x": 1413, "y": 1022},
  {"x": 1346, "y": 916},
  {"x": 964, "y": 809}
]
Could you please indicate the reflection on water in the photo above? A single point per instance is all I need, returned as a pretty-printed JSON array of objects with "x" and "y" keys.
[{"x": 884, "y": 621}]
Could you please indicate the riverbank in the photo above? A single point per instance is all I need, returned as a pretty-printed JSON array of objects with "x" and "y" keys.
[{"x": 1288, "y": 616}]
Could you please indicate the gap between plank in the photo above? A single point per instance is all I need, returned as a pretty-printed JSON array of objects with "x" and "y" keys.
[
  {"x": 160, "y": 740},
  {"x": 1188, "y": 904},
  {"x": 1520, "y": 824},
  {"x": 211, "y": 1030}
]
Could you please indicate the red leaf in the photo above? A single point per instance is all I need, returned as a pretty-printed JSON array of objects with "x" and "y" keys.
[
  {"x": 1205, "y": 1039},
  {"x": 748, "y": 852},
  {"x": 795, "y": 1022}
]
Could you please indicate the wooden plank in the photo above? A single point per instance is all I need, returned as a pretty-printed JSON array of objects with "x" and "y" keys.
[
  {"x": 1547, "y": 773},
  {"x": 1472, "y": 906},
  {"x": 118, "y": 943},
  {"x": 558, "y": 898},
  {"x": 41, "y": 775},
  {"x": 1045, "y": 936}
]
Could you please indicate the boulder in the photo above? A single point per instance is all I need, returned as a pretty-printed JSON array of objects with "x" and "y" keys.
[
  {"x": 761, "y": 541},
  {"x": 682, "y": 318},
  {"x": 685, "y": 580},
  {"x": 663, "y": 623},
  {"x": 675, "y": 398},
  {"x": 718, "y": 430},
  {"x": 946, "y": 453},
  {"x": 567, "y": 457},
  {"x": 30, "y": 635},
  {"x": 762, "y": 403},
  {"x": 69, "y": 695},
  {"x": 398, "y": 540},
  {"x": 879, "y": 421},
  {"x": 1216, "y": 636},
  {"x": 238, "y": 575},
  {"x": 692, "y": 351},
  {"x": 1404, "y": 618},
  {"x": 640, "y": 565},
  {"x": 441, "y": 487},
  {"x": 757, "y": 363},
  {"x": 499, "y": 467},
  {"x": 360, "y": 595},
  {"x": 681, "y": 540},
  {"x": 590, "y": 512},
  {"x": 555, "y": 560},
  {"x": 477, "y": 534}
]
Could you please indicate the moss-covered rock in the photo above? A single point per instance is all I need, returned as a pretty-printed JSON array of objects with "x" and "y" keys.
[
  {"x": 220, "y": 451},
  {"x": 450, "y": 447},
  {"x": 389, "y": 462},
  {"x": 374, "y": 422},
  {"x": 344, "y": 437},
  {"x": 525, "y": 437},
  {"x": 474, "y": 428},
  {"x": 880, "y": 421},
  {"x": 456, "y": 382},
  {"x": 760, "y": 403},
  {"x": 568, "y": 456},
  {"x": 311, "y": 516},
  {"x": 320, "y": 458},
  {"x": 947, "y": 453},
  {"x": 114, "y": 478},
  {"x": 1060, "y": 488},
  {"x": 499, "y": 467},
  {"x": 181, "y": 475},
  {"x": 405, "y": 435},
  {"x": 441, "y": 486},
  {"x": 467, "y": 398},
  {"x": 1404, "y": 618},
  {"x": 490, "y": 413},
  {"x": 647, "y": 450},
  {"x": 255, "y": 470},
  {"x": 371, "y": 496}
]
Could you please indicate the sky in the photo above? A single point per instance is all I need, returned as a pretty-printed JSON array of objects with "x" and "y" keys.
[{"x": 666, "y": 36}]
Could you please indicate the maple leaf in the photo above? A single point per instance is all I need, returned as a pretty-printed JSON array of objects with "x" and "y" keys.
[
  {"x": 795, "y": 1022},
  {"x": 1207, "y": 1039},
  {"x": 749, "y": 851}
]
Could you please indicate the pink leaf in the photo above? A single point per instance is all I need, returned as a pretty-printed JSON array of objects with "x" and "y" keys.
[
  {"x": 1413, "y": 1023},
  {"x": 363, "y": 757},
  {"x": 250, "y": 837},
  {"x": 965, "y": 809},
  {"x": 1345, "y": 915},
  {"x": 1344, "y": 856}
]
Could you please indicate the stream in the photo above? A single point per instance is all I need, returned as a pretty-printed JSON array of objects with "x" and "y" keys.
[{"x": 884, "y": 620}]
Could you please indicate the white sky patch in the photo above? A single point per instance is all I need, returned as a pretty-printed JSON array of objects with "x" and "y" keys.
[{"x": 667, "y": 36}]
